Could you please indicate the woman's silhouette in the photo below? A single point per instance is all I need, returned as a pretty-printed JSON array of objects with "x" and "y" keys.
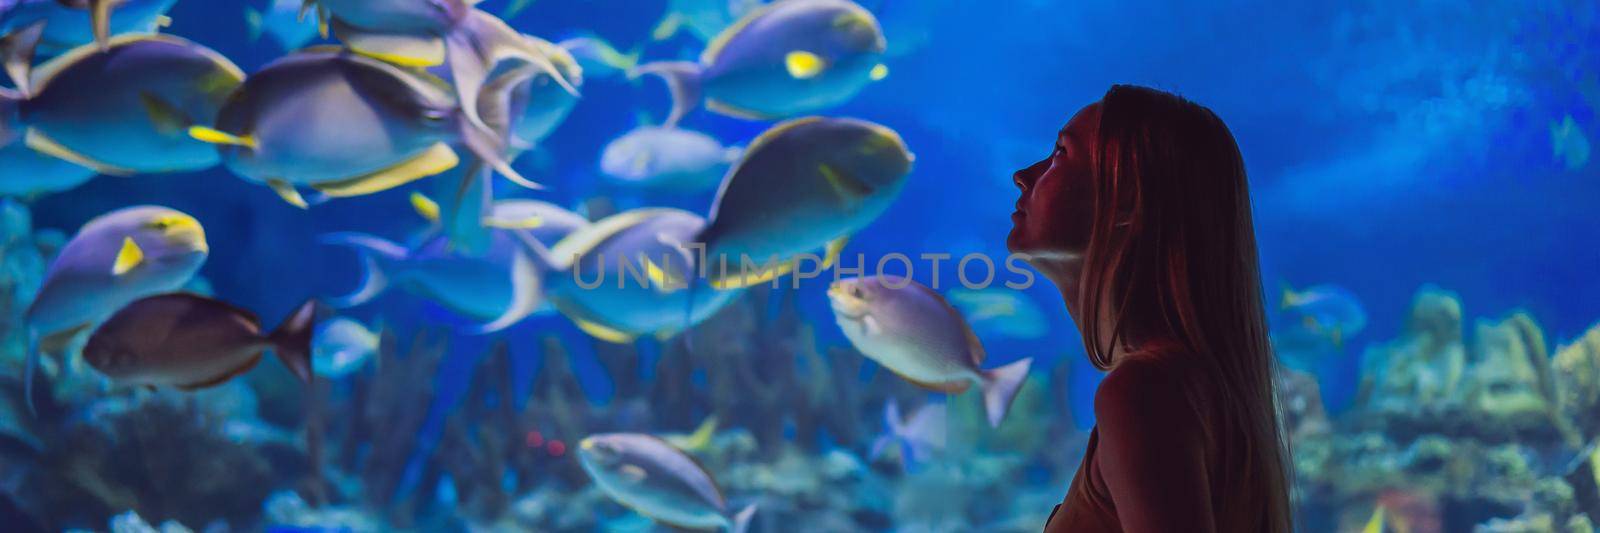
[{"x": 1141, "y": 217}]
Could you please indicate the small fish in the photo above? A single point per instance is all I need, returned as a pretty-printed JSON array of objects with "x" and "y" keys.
[
  {"x": 72, "y": 23},
  {"x": 1328, "y": 311},
  {"x": 914, "y": 332},
  {"x": 803, "y": 185},
  {"x": 1568, "y": 143},
  {"x": 114, "y": 259},
  {"x": 192, "y": 342},
  {"x": 605, "y": 285},
  {"x": 597, "y": 56},
  {"x": 666, "y": 158},
  {"x": 648, "y": 475},
  {"x": 780, "y": 60},
  {"x": 503, "y": 285},
  {"x": 124, "y": 110},
  {"x": 346, "y": 125},
  {"x": 280, "y": 19},
  {"x": 342, "y": 346},
  {"x": 704, "y": 18},
  {"x": 919, "y": 437},
  {"x": 469, "y": 42},
  {"x": 1001, "y": 312}
]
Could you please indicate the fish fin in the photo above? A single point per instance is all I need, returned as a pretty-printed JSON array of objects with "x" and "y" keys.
[
  {"x": 466, "y": 201},
  {"x": 723, "y": 108},
  {"x": 100, "y": 20},
  {"x": 878, "y": 73},
  {"x": 489, "y": 148},
  {"x": 526, "y": 222},
  {"x": 373, "y": 280},
  {"x": 291, "y": 342},
  {"x": 664, "y": 282},
  {"x": 254, "y": 23},
  {"x": 669, "y": 26},
  {"x": 1000, "y": 386},
  {"x": 830, "y": 254},
  {"x": 215, "y": 136},
  {"x": 683, "y": 80},
  {"x": 803, "y": 65},
  {"x": 288, "y": 193},
  {"x": 764, "y": 275},
  {"x": 482, "y": 44},
  {"x": 602, "y": 332},
  {"x": 128, "y": 257},
  {"x": 740, "y": 523},
  {"x": 700, "y": 439},
  {"x": 843, "y": 182},
  {"x": 396, "y": 48},
  {"x": 222, "y": 378},
  {"x": 526, "y": 294},
  {"x": 494, "y": 99},
  {"x": 16, "y": 50},
  {"x": 880, "y": 444},
  {"x": 323, "y": 16},
  {"x": 579, "y": 242},
  {"x": 163, "y": 21},
  {"x": 39, "y": 142},
  {"x": 434, "y": 160},
  {"x": 870, "y": 324},
  {"x": 1375, "y": 523},
  {"x": 167, "y": 118},
  {"x": 425, "y": 206}
]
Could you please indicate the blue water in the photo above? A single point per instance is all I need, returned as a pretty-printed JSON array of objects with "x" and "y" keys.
[{"x": 1389, "y": 146}]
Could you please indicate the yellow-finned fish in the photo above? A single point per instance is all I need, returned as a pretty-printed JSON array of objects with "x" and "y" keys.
[{"x": 650, "y": 476}]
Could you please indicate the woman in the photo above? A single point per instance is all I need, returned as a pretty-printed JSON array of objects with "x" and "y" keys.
[{"x": 1141, "y": 217}]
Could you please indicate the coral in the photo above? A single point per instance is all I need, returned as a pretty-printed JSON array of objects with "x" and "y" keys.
[
  {"x": 1415, "y": 378},
  {"x": 1577, "y": 381}
]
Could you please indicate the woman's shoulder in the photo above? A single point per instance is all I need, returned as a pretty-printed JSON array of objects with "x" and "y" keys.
[{"x": 1147, "y": 394}]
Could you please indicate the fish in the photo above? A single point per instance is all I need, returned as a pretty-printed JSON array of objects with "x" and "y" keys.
[
  {"x": 703, "y": 18},
  {"x": 648, "y": 475},
  {"x": 502, "y": 286},
  {"x": 1327, "y": 311},
  {"x": 344, "y": 125},
  {"x": 596, "y": 55},
  {"x": 341, "y": 347},
  {"x": 27, "y": 173},
  {"x": 1568, "y": 143},
  {"x": 190, "y": 342},
  {"x": 601, "y": 281},
  {"x": 781, "y": 60},
  {"x": 911, "y": 330},
  {"x": 675, "y": 159},
  {"x": 122, "y": 111},
  {"x": 467, "y": 41},
  {"x": 116, "y": 258},
  {"x": 1000, "y": 312},
  {"x": 803, "y": 185},
  {"x": 72, "y": 23},
  {"x": 919, "y": 436},
  {"x": 281, "y": 20}
]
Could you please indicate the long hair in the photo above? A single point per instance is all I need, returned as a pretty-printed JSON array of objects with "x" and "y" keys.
[{"x": 1172, "y": 243}]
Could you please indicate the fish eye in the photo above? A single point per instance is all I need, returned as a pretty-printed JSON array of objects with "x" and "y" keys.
[{"x": 855, "y": 290}]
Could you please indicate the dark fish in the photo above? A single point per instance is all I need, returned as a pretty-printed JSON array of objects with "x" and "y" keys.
[{"x": 192, "y": 342}]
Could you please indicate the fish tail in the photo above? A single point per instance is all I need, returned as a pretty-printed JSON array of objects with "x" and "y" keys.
[
  {"x": 489, "y": 148},
  {"x": 466, "y": 202},
  {"x": 292, "y": 340},
  {"x": 1000, "y": 386},
  {"x": 16, "y": 52},
  {"x": 527, "y": 293},
  {"x": 683, "y": 81},
  {"x": 740, "y": 522},
  {"x": 373, "y": 280}
]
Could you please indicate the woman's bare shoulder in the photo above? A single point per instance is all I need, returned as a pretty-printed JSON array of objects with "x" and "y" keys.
[{"x": 1146, "y": 394}]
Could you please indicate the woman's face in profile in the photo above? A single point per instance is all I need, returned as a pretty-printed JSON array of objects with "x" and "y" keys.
[{"x": 1055, "y": 210}]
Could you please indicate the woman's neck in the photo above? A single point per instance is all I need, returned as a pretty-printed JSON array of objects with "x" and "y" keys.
[{"x": 1066, "y": 271}]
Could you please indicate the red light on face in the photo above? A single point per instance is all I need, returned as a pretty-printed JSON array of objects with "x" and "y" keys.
[
  {"x": 556, "y": 448},
  {"x": 533, "y": 439}
]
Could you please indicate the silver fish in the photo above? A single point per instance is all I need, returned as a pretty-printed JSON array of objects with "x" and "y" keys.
[
  {"x": 342, "y": 346},
  {"x": 346, "y": 125},
  {"x": 192, "y": 342},
  {"x": 783, "y": 59},
  {"x": 648, "y": 475},
  {"x": 115, "y": 259},
  {"x": 125, "y": 110},
  {"x": 70, "y": 23},
  {"x": 914, "y": 332},
  {"x": 666, "y": 158},
  {"x": 502, "y": 285},
  {"x": 605, "y": 285},
  {"x": 803, "y": 185}
]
